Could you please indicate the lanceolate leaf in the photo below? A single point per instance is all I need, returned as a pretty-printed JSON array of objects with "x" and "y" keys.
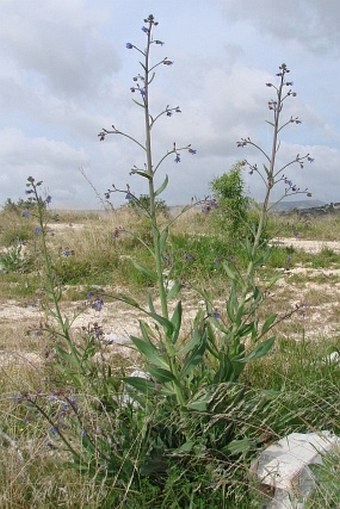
[
  {"x": 230, "y": 273},
  {"x": 176, "y": 321},
  {"x": 150, "y": 352},
  {"x": 141, "y": 384},
  {"x": 161, "y": 375},
  {"x": 174, "y": 290},
  {"x": 195, "y": 357},
  {"x": 138, "y": 103},
  {"x": 145, "y": 270},
  {"x": 163, "y": 238},
  {"x": 268, "y": 323},
  {"x": 166, "y": 324},
  {"x": 260, "y": 351},
  {"x": 162, "y": 187}
]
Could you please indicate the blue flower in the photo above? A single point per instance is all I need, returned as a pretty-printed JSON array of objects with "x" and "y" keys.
[
  {"x": 216, "y": 315},
  {"x": 144, "y": 29},
  {"x": 98, "y": 304},
  {"x": 129, "y": 45},
  {"x": 26, "y": 213},
  {"x": 54, "y": 430},
  {"x": 192, "y": 151},
  {"x": 37, "y": 230},
  {"x": 129, "y": 196},
  {"x": 48, "y": 199},
  {"x": 177, "y": 158}
]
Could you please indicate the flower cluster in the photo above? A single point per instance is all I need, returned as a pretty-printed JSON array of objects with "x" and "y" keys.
[
  {"x": 209, "y": 204},
  {"x": 66, "y": 252},
  {"x": 96, "y": 302}
]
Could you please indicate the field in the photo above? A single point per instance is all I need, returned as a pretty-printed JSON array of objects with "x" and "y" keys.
[{"x": 294, "y": 387}]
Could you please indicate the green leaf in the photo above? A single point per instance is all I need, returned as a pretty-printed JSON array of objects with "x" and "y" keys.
[
  {"x": 176, "y": 321},
  {"x": 200, "y": 405},
  {"x": 127, "y": 299},
  {"x": 185, "y": 448},
  {"x": 164, "y": 322},
  {"x": 152, "y": 78},
  {"x": 246, "y": 329},
  {"x": 69, "y": 357},
  {"x": 190, "y": 345},
  {"x": 150, "y": 274},
  {"x": 174, "y": 290},
  {"x": 232, "y": 305},
  {"x": 149, "y": 351},
  {"x": 162, "y": 187},
  {"x": 146, "y": 330},
  {"x": 139, "y": 104},
  {"x": 278, "y": 275},
  {"x": 141, "y": 173},
  {"x": 195, "y": 357},
  {"x": 268, "y": 323},
  {"x": 241, "y": 446},
  {"x": 163, "y": 238},
  {"x": 161, "y": 375},
  {"x": 230, "y": 273},
  {"x": 141, "y": 384},
  {"x": 150, "y": 304},
  {"x": 260, "y": 351}
]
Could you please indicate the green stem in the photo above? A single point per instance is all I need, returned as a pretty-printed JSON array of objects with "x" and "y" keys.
[
  {"x": 154, "y": 224},
  {"x": 51, "y": 280},
  {"x": 249, "y": 279}
]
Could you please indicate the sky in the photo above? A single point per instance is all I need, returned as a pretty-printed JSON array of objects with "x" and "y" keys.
[{"x": 65, "y": 73}]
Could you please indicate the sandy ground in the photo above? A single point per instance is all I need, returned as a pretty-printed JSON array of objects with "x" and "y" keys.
[
  {"x": 319, "y": 292},
  {"x": 310, "y": 246}
]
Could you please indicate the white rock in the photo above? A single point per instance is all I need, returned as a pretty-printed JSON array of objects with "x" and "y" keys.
[
  {"x": 118, "y": 339},
  {"x": 284, "y": 467}
]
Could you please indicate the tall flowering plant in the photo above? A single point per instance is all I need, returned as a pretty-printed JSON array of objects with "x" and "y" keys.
[{"x": 217, "y": 350}]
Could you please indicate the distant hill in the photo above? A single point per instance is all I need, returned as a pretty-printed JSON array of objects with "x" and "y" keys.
[
  {"x": 287, "y": 206},
  {"x": 301, "y": 208}
]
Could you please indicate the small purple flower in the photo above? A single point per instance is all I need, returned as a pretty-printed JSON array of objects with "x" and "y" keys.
[
  {"x": 188, "y": 257},
  {"x": 145, "y": 30},
  {"x": 216, "y": 315},
  {"x": 296, "y": 234},
  {"x": 192, "y": 151},
  {"x": 54, "y": 430},
  {"x": 68, "y": 252},
  {"x": 98, "y": 304},
  {"x": 37, "y": 230},
  {"x": 129, "y": 197},
  {"x": 177, "y": 158},
  {"x": 129, "y": 45},
  {"x": 26, "y": 213},
  {"x": 48, "y": 199},
  {"x": 73, "y": 401}
]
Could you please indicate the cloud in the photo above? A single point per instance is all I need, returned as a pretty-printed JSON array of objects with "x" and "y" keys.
[
  {"x": 54, "y": 162},
  {"x": 311, "y": 23},
  {"x": 58, "y": 44}
]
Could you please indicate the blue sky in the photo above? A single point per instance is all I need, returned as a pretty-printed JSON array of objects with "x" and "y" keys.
[{"x": 65, "y": 73}]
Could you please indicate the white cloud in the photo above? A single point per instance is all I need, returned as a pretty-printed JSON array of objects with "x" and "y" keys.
[
  {"x": 58, "y": 44},
  {"x": 311, "y": 23},
  {"x": 54, "y": 162}
]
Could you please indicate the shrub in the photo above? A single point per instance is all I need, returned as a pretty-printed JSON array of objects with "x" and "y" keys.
[{"x": 232, "y": 211}]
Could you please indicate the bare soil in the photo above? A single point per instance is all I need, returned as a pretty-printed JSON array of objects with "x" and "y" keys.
[{"x": 319, "y": 316}]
